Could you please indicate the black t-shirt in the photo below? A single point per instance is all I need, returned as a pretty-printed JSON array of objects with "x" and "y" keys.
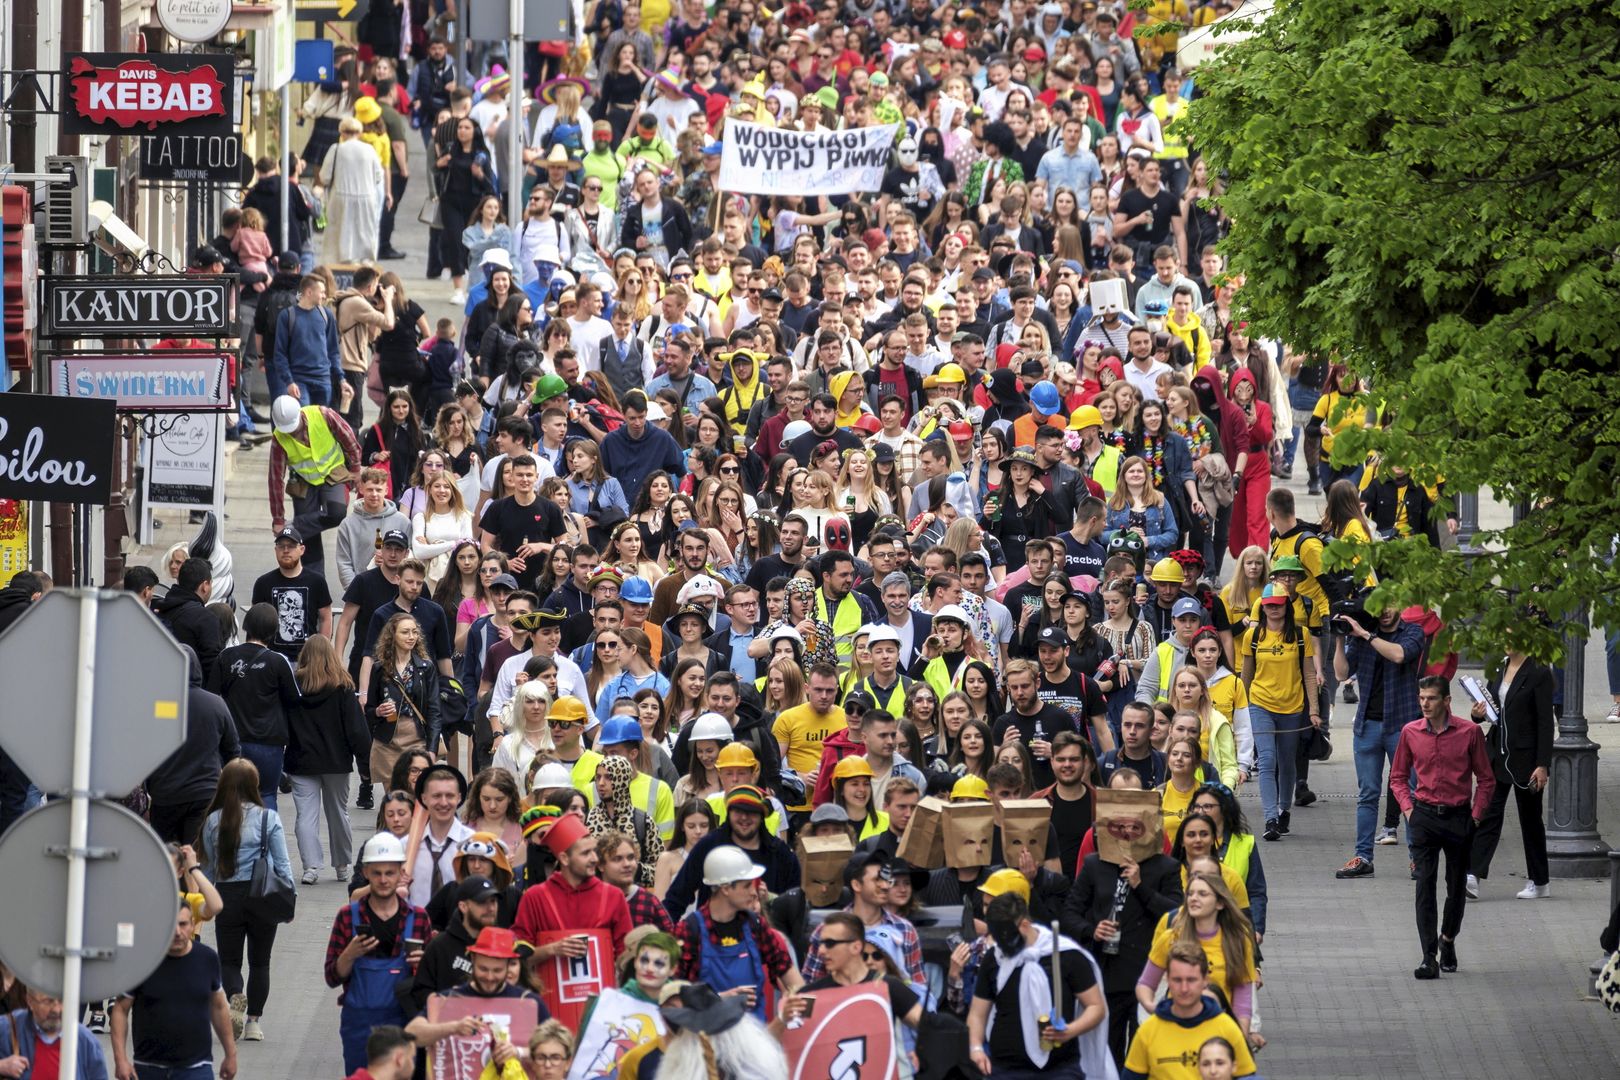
[
  {"x": 902, "y": 998},
  {"x": 771, "y": 566},
  {"x": 1006, "y": 1040},
  {"x": 299, "y": 602},
  {"x": 1166, "y": 207},
  {"x": 388, "y": 932},
  {"x": 1070, "y": 819},
  {"x": 172, "y": 1009},
  {"x": 1078, "y": 696},
  {"x": 1083, "y": 558},
  {"x": 368, "y": 591},
  {"x": 513, "y": 526},
  {"x": 907, "y": 187},
  {"x": 1051, "y": 719}
]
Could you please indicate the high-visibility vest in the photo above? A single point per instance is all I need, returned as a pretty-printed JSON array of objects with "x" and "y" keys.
[
  {"x": 1170, "y": 116},
  {"x": 1105, "y": 470},
  {"x": 316, "y": 461},
  {"x": 1239, "y": 847},
  {"x": 846, "y": 622},
  {"x": 940, "y": 679},
  {"x": 895, "y": 705}
]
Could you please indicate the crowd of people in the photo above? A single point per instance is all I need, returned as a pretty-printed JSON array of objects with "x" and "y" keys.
[{"x": 721, "y": 538}]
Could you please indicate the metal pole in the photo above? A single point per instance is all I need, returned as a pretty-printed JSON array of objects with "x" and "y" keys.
[
  {"x": 285, "y": 164},
  {"x": 78, "y": 832},
  {"x": 516, "y": 132},
  {"x": 1467, "y": 517},
  {"x": 1574, "y": 848}
]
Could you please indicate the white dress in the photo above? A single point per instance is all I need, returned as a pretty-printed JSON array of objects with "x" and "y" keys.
[{"x": 353, "y": 178}]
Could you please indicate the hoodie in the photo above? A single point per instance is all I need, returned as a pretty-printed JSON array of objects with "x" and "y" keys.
[
  {"x": 358, "y": 326},
  {"x": 189, "y": 622},
  {"x": 632, "y": 460},
  {"x": 1260, "y": 430},
  {"x": 740, "y": 395},
  {"x": 834, "y": 748},
  {"x": 13, "y": 602},
  {"x": 191, "y": 773},
  {"x": 325, "y": 733},
  {"x": 359, "y": 534},
  {"x": 836, "y": 386},
  {"x": 1166, "y": 1037},
  {"x": 1227, "y": 417}
]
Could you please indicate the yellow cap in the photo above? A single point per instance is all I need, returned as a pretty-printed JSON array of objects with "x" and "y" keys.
[
  {"x": 1005, "y": 881},
  {"x": 971, "y": 787},
  {"x": 736, "y": 755},
  {"x": 854, "y": 765},
  {"x": 1085, "y": 416}
]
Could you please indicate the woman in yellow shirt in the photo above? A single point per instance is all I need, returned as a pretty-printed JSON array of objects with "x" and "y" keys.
[
  {"x": 1336, "y": 413},
  {"x": 1196, "y": 840},
  {"x": 1280, "y": 678},
  {"x": 1216, "y": 740},
  {"x": 1210, "y": 917},
  {"x": 1175, "y": 794},
  {"x": 1227, "y": 696}
]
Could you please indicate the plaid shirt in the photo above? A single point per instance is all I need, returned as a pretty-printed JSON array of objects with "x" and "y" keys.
[
  {"x": 1400, "y": 680},
  {"x": 343, "y": 933},
  {"x": 773, "y": 951},
  {"x": 646, "y": 908},
  {"x": 907, "y": 456},
  {"x": 910, "y": 948}
]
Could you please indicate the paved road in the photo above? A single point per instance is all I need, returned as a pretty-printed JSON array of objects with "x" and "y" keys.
[{"x": 1339, "y": 999}]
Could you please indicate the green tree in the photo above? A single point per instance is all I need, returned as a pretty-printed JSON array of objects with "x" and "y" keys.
[{"x": 1429, "y": 192}]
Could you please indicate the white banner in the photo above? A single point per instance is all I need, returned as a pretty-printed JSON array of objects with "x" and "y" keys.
[{"x": 758, "y": 160}]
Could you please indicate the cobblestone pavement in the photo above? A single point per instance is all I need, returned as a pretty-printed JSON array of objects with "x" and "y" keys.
[{"x": 1339, "y": 997}]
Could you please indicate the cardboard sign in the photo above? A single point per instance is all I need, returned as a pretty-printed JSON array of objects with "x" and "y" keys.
[
  {"x": 850, "y": 1033},
  {"x": 145, "y": 93},
  {"x": 923, "y": 843},
  {"x": 969, "y": 828},
  {"x": 569, "y": 982},
  {"x": 1024, "y": 824},
  {"x": 1107, "y": 297},
  {"x": 619, "y": 1023},
  {"x": 1129, "y": 825},
  {"x": 823, "y": 859},
  {"x": 464, "y": 1057}
]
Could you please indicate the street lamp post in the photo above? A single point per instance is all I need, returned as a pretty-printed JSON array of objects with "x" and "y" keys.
[{"x": 1574, "y": 848}]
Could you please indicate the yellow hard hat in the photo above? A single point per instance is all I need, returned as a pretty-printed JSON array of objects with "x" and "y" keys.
[
  {"x": 1167, "y": 571},
  {"x": 1006, "y": 880},
  {"x": 970, "y": 787},
  {"x": 1085, "y": 416},
  {"x": 853, "y": 766},
  {"x": 950, "y": 373},
  {"x": 736, "y": 755}
]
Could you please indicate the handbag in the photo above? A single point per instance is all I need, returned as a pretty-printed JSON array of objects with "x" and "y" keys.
[
  {"x": 430, "y": 214},
  {"x": 272, "y": 896},
  {"x": 1318, "y": 745},
  {"x": 1608, "y": 983},
  {"x": 452, "y": 698}
]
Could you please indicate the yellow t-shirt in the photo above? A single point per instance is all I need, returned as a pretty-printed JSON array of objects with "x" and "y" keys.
[
  {"x": 1226, "y": 695},
  {"x": 1278, "y": 684},
  {"x": 1234, "y": 884},
  {"x": 1159, "y": 954},
  {"x": 1326, "y": 406},
  {"x": 802, "y": 732},
  {"x": 1173, "y": 806},
  {"x": 1165, "y": 1050}
]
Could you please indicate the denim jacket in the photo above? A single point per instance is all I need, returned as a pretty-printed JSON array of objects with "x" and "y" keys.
[{"x": 255, "y": 823}]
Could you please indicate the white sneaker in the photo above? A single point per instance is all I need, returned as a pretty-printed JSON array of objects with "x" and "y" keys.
[
  {"x": 311, "y": 876},
  {"x": 1385, "y": 837},
  {"x": 252, "y": 1031},
  {"x": 238, "y": 1013},
  {"x": 458, "y": 296},
  {"x": 1471, "y": 887},
  {"x": 1614, "y": 713},
  {"x": 1532, "y": 891},
  {"x": 343, "y": 873}
]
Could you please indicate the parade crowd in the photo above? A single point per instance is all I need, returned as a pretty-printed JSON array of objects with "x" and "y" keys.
[{"x": 747, "y": 597}]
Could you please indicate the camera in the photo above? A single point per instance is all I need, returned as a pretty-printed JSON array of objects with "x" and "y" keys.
[{"x": 1354, "y": 608}]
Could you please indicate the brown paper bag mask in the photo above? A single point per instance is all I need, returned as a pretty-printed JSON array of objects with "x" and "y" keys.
[
  {"x": 1129, "y": 825},
  {"x": 823, "y": 859},
  {"x": 923, "y": 843},
  {"x": 1024, "y": 824},
  {"x": 968, "y": 831}
]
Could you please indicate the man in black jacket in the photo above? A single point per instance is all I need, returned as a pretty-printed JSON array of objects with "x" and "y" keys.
[
  {"x": 265, "y": 196},
  {"x": 182, "y": 786},
  {"x": 278, "y": 296},
  {"x": 1151, "y": 889},
  {"x": 184, "y": 611},
  {"x": 744, "y": 828},
  {"x": 257, "y": 684},
  {"x": 672, "y": 223}
]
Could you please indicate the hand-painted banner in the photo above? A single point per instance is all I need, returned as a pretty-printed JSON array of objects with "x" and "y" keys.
[{"x": 757, "y": 160}]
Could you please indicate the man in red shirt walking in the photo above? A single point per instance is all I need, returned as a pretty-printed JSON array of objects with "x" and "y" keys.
[{"x": 1454, "y": 786}]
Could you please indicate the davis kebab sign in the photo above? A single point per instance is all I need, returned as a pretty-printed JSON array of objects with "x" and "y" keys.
[{"x": 148, "y": 93}]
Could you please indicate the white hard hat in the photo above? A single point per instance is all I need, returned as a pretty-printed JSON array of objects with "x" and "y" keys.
[
  {"x": 880, "y": 632},
  {"x": 787, "y": 633},
  {"x": 286, "y": 414},
  {"x": 711, "y": 726},
  {"x": 953, "y": 611},
  {"x": 551, "y": 775},
  {"x": 727, "y": 865},
  {"x": 383, "y": 847},
  {"x": 793, "y": 430}
]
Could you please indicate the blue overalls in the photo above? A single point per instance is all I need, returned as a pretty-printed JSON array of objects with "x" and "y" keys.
[
  {"x": 726, "y": 967},
  {"x": 368, "y": 998}
]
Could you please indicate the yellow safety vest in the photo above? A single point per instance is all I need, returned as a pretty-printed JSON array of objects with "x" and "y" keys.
[
  {"x": 1175, "y": 145},
  {"x": 846, "y": 622},
  {"x": 583, "y": 775},
  {"x": 895, "y": 706},
  {"x": 773, "y": 820},
  {"x": 1105, "y": 470},
  {"x": 654, "y": 798},
  {"x": 315, "y": 462},
  {"x": 1167, "y": 670},
  {"x": 937, "y": 678},
  {"x": 1239, "y": 849}
]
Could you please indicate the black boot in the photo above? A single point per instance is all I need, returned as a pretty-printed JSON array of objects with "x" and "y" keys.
[
  {"x": 1303, "y": 796},
  {"x": 363, "y": 802}
]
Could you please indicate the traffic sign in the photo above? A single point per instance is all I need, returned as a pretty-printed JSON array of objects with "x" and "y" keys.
[
  {"x": 141, "y": 678},
  {"x": 130, "y": 900}
]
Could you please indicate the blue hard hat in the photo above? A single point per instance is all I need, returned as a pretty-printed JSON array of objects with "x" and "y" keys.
[
  {"x": 636, "y": 590},
  {"x": 1044, "y": 396},
  {"x": 619, "y": 729}
]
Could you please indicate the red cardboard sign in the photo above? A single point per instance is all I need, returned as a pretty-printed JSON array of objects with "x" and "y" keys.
[
  {"x": 569, "y": 982},
  {"x": 464, "y": 1057},
  {"x": 115, "y": 93},
  {"x": 849, "y": 1033}
]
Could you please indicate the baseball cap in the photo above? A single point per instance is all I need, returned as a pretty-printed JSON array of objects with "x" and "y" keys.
[
  {"x": 476, "y": 888},
  {"x": 984, "y": 273},
  {"x": 397, "y": 538},
  {"x": 859, "y": 699},
  {"x": 504, "y": 581},
  {"x": 1187, "y": 606},
  {"x": 288, "y": 261},
  {"x": 1053, "y": 635},
  {"x": 288, "y": 533}
]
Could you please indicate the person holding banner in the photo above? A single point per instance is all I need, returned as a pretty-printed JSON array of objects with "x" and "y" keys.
[
  {"x": 491, "y": 958},
  {"x": 553, "y": 916},
  {"x": 841, "y": 945}
]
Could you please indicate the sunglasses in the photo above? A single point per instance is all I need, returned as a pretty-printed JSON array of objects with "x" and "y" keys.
[
  {"x": 833, "y": 943},
  {"x": 565, "y": 724},
  {"x": 726, "y": 470}
]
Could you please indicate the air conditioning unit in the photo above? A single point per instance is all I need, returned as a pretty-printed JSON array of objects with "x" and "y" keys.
[{"x": 67, "y": 206}]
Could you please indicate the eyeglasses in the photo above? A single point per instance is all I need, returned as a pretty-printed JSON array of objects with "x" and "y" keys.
[
  {"x": 549, "y": 1059},
  {"x": 632, "y": 281},
  {"x": 687, "y": 276},
  {"x": 593, "y": 187},
  {"x": 869, "y": 955}
]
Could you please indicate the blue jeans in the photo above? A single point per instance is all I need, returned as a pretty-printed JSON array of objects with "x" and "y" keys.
[
  {"x": 203, "y": 1070},
  {"x": 1276, "y": 740},
  {"x": 1374, "y": 746},
  {"x": 267, "y": 759},
  {"x": 317, "y": 391}
]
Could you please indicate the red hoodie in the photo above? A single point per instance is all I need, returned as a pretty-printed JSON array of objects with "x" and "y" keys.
[
  {"x": 1260, "y": 429},
  {"x": 834, "y": 748},
  {"x": 556, "y": 905},
  {"x": 1227, "y": 417}
]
